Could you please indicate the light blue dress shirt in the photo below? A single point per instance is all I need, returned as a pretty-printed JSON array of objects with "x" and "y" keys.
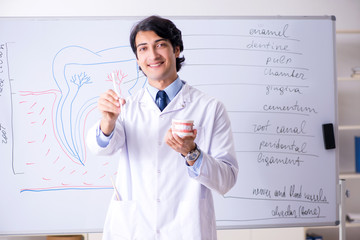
[{"x": 171, "y": 91}]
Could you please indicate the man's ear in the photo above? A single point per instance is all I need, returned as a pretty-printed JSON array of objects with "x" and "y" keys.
[
  {"x": 177, "y": 51},
  {"x": 141, "y": 71}
]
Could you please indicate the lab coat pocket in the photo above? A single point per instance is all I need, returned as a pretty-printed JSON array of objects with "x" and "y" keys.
[{"x": 121, "y": 220}]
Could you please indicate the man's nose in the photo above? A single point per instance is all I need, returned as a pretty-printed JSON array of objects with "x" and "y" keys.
[{"x": 153, "y": 53}]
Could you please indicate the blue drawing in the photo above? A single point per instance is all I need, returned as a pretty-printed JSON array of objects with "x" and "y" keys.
[{"x": 80, "y": 74}]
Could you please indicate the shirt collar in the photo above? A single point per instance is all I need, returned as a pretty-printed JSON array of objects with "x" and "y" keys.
[{"x": 170, "y": 90}]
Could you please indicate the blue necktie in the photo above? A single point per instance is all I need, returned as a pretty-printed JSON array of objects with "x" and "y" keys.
[{"x": 161, "y": 96}]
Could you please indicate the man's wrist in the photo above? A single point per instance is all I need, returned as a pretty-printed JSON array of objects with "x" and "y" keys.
[
  {"x": 186, "y": 153},
  {"x": 107, "y": 128},
  {"x": 101, "y": 138},
  {"x": 193, "y": 155}
]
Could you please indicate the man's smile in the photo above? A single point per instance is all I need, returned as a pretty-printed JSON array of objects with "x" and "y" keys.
[{"x": 155, "y": 64}]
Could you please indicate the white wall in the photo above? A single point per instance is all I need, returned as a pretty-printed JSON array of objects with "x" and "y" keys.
[{"x": 347, "y": 13}]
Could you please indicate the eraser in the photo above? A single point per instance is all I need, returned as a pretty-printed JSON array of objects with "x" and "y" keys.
[{"x": 328, "y": 134}]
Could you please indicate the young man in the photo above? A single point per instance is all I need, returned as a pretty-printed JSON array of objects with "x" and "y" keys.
[{"x": 164, "y": 182}]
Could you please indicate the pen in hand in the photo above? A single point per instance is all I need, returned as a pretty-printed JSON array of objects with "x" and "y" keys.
[
  {"x": 113, "y": 78},
  {"x": 114, "y": 85}
]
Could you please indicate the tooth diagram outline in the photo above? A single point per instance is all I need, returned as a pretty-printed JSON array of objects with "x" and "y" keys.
[{"x": 69, "y": 119}]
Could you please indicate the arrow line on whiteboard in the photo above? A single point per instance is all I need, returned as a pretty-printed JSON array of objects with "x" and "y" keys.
[
  {"x": 302, "y": 154},
  {"x": 243, "y": 49},
  {"x": 270, "y": 199},
  {"x": 272, "y": 218},
  {"x": 238, "y": 35},
  {"x": 302, "y": 114},
  {"x": 243, "y": 65},
  {"x": 276, "y": 134}
]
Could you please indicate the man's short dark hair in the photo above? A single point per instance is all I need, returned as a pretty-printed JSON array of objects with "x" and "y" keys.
[{"x": 164, "y": 28}]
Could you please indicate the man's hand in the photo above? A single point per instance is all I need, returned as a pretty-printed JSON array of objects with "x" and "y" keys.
[
  {"x": 182, "y": 145},
  {"x": 109, "y": 106}
]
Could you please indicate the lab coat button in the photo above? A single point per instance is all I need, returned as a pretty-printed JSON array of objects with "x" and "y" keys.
[{"x": 158, "y": 200}]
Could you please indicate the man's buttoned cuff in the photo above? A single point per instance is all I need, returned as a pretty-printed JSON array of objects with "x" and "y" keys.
[
  {"x": 102, "y": 139},
  {"x": 194, "y": 170}
]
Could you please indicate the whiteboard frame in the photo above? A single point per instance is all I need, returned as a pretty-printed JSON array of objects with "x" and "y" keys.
[{"x": 136, "y": 18}]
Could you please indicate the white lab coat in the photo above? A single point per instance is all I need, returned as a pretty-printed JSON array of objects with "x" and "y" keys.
[{"x": 160, "y": 197}]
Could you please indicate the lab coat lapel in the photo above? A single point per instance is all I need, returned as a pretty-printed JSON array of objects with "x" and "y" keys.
[
  {"x": 180, "y": 101},
  {"x": 147, "y": 102}
]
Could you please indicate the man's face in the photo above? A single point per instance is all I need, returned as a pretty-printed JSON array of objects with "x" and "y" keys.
[{"x": 156, "y": 57}]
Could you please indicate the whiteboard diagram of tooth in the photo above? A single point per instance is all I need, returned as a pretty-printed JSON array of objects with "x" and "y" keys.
[{"x": 79, "y": 73}]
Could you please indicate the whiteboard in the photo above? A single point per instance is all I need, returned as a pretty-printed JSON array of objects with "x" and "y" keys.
[{"x": 275, "y": 75}]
